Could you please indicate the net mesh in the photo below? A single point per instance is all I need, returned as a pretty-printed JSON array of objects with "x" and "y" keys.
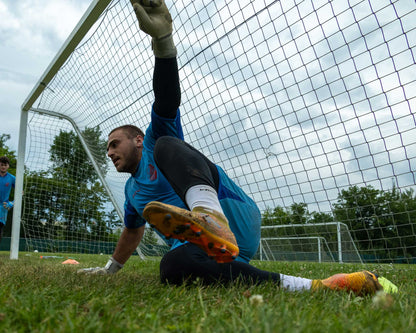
[{"x": 299, "y": 101}]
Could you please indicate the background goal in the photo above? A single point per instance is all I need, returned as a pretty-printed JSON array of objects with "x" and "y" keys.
[
  {"x": 322, "y": 242},
  {"x": 308, "y": 105}
]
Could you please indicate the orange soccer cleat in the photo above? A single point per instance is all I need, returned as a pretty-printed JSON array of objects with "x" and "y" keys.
[
  {"x": 360, "y": 283},
  {"x": 203, "y": 227}
]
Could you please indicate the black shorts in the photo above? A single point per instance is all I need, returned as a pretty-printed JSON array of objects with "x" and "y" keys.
[
  {"x": 188, "y": 262},
  {"x": 183, "y": 165}
]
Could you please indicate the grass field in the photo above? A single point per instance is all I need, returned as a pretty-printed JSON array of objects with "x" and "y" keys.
[{"x": 42, "y": 295}]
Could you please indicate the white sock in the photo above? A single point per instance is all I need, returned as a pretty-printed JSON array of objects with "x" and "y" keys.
[
  {"x": 203, "y": 196},
  {"x": 294, "y": 283}
]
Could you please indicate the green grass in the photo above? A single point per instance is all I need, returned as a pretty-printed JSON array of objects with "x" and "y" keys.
[{"x": 42, "y": 295}]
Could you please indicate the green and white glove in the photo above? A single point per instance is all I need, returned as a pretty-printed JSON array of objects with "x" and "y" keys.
[
  {"x": 155, "y": 20},
  {"x": 111, "y": 267}
]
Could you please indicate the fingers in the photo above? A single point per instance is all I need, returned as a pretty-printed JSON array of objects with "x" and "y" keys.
[
  {"x": 151, "y": 3},
  {"x": 147, "y": 3},
  {"x": 143, "y": 17}
]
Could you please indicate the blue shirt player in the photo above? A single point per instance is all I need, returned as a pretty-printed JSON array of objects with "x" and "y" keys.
[{"x": 7, "y": 182}]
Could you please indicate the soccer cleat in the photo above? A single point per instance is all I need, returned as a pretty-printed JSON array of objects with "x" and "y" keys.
[
  {"x": 205, "y": 228},
  {"x": 360, "y": 283}
]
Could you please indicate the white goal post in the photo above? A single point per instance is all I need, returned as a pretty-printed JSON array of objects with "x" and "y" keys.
[
  {"x": 267, "y": 249},
  {"x": 332, "y": 239},
  {"x": 300, "y": 102}
]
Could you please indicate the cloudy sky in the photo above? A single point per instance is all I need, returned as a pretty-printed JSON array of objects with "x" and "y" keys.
[{"x": 31, "y": 33}]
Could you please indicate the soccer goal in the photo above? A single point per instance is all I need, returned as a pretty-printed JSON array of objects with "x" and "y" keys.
[
  {"x": 308, "y": 102},
  {"x": 295, "y": 249},
  {"x": 321, "y": 242}
]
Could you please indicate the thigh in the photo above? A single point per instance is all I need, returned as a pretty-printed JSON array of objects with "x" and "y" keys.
[
  {"x": 183, "y": 165},
  {"x": 188, "y": 262}
]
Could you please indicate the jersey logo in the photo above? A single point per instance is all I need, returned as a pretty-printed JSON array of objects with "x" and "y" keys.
[
  {"x": 7, "y": 184},
  {"x": 152, "y": 172},
  {"x": 134, "y": 194}
]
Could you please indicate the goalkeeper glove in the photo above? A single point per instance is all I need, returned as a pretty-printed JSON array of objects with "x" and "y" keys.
[
  {"x": 112, "y": 266},
  {"x": 155, "y": 20}
]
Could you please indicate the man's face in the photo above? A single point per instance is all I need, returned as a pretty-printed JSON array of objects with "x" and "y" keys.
[
  {"x": 3, "y": 168},
  {"x": 125, "y": 152}
]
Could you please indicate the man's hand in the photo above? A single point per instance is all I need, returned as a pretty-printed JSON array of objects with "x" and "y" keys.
[
  {"x": 155, "y": 20},
  {"x": 111, "y": 267},
  {"x": 154, "y": 17},
  {"x": 8, "y": 205}
]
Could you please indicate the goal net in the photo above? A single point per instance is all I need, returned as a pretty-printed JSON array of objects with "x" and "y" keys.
[{"x": 301, "y": 102}]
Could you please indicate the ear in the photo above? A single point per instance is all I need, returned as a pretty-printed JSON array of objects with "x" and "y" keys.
[{"x": 139, "y": 141}]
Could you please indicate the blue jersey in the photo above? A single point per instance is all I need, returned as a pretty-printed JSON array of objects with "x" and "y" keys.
[
  {"x": 6, "y": 183},
  {"x": 149, "y": 184}
]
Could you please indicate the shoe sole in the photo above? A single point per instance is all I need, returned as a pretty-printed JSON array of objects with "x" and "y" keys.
[{"x": 174, "y": 222}]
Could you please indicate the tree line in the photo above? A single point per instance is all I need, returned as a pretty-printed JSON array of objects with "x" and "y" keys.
[
  {"x": 381, "y": 222},
  {"x": 66, "y": 200}
]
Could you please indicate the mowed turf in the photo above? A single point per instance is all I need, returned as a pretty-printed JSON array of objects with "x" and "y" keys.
[{"x": 43, "y": 295}]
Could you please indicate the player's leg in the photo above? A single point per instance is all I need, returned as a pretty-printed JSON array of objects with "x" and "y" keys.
[
  {"x": 185, "y": 168},
  {"x": 188, "y": 263},
  {"x": 195, "y": 179}
]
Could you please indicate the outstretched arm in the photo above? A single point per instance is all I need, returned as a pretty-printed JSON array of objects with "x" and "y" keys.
[{"x": 155, "y": 20}]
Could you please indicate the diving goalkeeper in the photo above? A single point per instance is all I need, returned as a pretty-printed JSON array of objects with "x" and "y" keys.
[{"x": 213, "y": 227}]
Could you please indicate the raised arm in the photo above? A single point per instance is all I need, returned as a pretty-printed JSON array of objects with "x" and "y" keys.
[{"x": 155, "y": 20}]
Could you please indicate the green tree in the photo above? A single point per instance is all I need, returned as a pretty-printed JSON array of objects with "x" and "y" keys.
[
  {"x": 70, "y": 159},
  {"x": 299, "y": 213},
  {"x": 381, "y": 221},
  {"x": 149, "y": 237},
  {"x": 67, "y": 201}
]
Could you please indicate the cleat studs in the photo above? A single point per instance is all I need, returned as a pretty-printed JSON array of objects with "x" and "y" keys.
[
  {"x": 168, "y": 217},
  {"x": 198, "y": 233},
  {"x": 210, "y": 245},
  {"x": 222, "y": 250},
  {"x": 187, "y": 225}
]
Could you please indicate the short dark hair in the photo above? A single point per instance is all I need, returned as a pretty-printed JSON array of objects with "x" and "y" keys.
[
  {"x": 4, "y": 160},
  {"x": 130, "y": 130}
]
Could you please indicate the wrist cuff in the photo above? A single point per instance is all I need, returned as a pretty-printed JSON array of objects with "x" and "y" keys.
[
  {"x": 164, "y": 47},
  {"x": 113, "y": 266}
]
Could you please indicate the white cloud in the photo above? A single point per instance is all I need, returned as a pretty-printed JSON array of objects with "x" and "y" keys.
[{"x": 31, "y": 33}]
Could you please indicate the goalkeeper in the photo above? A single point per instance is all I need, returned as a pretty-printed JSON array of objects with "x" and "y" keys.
[{"x": 213, "y": 227}]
